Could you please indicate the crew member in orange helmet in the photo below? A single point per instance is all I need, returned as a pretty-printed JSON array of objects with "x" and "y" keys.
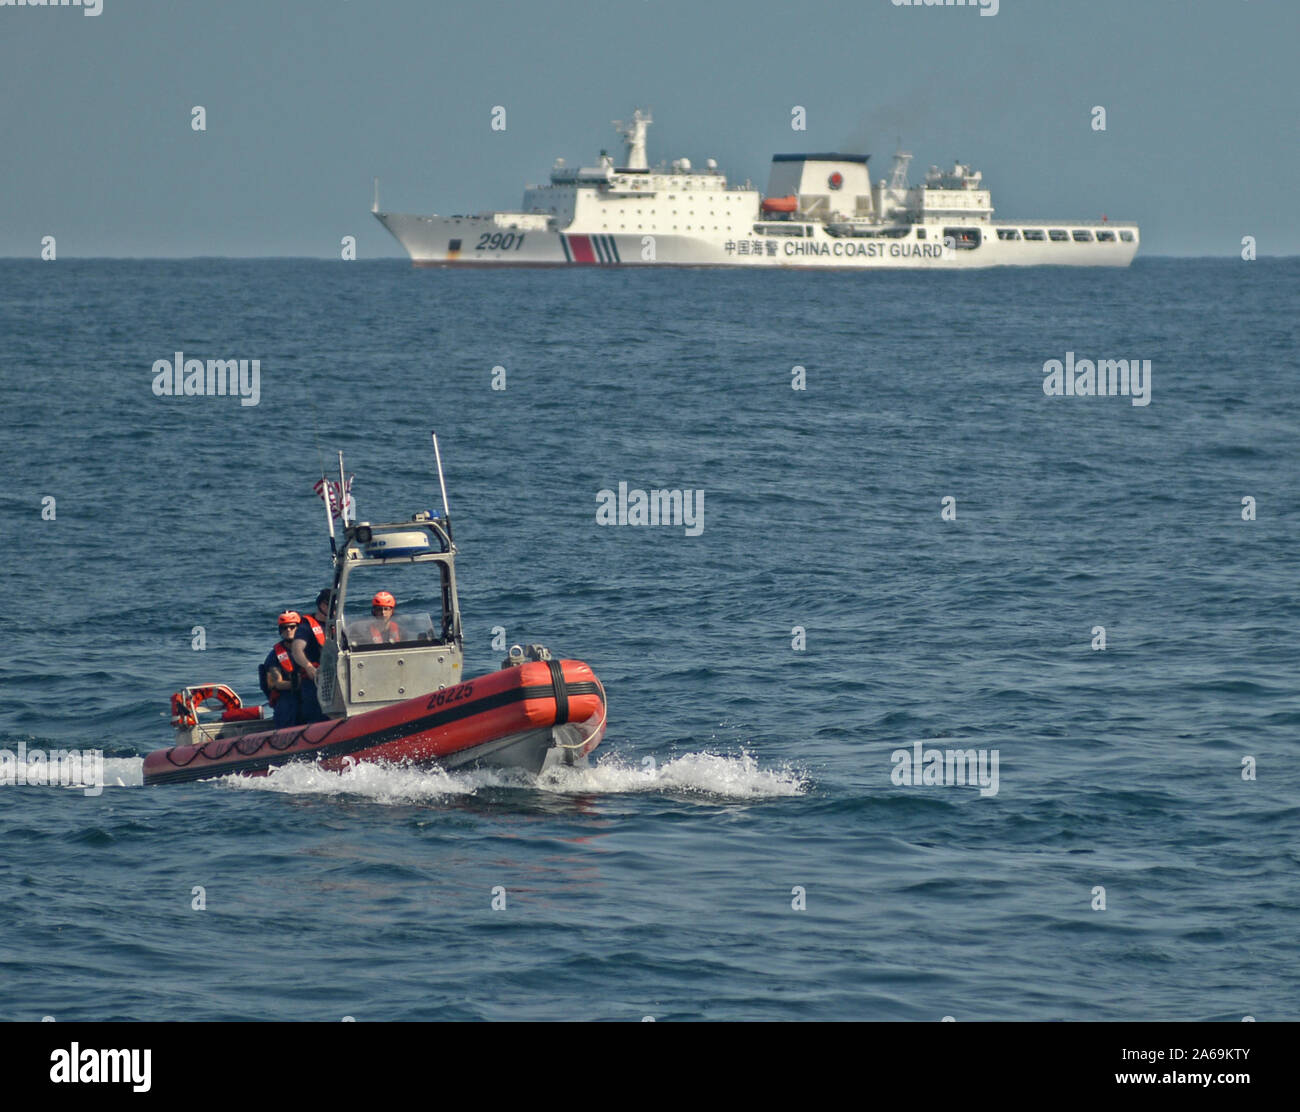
[
  {"x": 383, "y": 630},
  {"x": 282, "y": 680}
]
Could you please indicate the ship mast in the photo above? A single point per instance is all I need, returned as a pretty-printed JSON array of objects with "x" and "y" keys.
[
  {"x": 634, "y": 136},
  {"x": 898, "y": 176}
]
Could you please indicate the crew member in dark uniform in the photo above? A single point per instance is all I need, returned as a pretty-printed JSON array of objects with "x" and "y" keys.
[
  {"x": 282, "y": 679},
  {"x": 305, "y": 651}
]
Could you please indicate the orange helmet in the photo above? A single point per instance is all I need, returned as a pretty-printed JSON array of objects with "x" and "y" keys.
[
  {"x": 290, "y": 617},
  {"x": 383, "y": 598}
]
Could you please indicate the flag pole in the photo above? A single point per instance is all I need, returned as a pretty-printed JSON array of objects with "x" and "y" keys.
[
  {"x": 343, "y": 492},
  {"x": 329, "y": 511}
]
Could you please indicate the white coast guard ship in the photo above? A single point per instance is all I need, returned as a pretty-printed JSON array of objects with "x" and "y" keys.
[{"x": 820, "y": 210}]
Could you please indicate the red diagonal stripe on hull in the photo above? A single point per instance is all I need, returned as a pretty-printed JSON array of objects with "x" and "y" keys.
[{"x": 583, "y": 252}]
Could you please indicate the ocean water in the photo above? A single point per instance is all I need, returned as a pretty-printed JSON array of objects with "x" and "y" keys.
[{"x": 739, "y": 848}]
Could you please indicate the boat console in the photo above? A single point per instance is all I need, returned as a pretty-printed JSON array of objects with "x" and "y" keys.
[{"x": 366, "y": 664}]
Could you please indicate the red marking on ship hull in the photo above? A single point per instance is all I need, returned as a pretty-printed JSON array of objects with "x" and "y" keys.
[{"x": 582, "y": 250}]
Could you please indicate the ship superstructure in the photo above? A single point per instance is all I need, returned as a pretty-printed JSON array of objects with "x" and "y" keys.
[{"x": 820, "y": 210}]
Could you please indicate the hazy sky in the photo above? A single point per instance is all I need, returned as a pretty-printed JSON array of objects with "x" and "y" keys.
[{"x": 307, "y": 100}]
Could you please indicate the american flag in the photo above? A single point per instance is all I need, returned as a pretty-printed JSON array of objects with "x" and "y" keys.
[{"x": 328, "y": 491}]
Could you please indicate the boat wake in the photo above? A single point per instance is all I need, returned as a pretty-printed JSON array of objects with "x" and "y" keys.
[{"x": 706, "y": 775}]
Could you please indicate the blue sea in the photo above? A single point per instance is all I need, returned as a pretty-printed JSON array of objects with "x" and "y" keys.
[{"x": 920, "y": 551}]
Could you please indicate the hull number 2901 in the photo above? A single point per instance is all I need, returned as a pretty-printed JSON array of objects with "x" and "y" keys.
[{"x": 499, "y": 241}]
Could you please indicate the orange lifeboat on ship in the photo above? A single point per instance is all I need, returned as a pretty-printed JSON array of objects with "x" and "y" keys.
[{"x": 781, "y": 204}]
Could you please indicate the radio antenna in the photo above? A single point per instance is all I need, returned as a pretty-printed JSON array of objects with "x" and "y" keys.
[{"x": 442, "y": 483}]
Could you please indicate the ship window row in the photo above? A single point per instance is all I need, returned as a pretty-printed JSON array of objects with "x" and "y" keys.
[
  {"x": 1060, "y": 235},
  {"x": 964, "y": 237}
]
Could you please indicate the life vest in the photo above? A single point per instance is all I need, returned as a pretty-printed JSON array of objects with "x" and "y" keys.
[
  {"x": 285, "y": 661},
  {"x": 381, "y": 634},
  {"x": 317, "y": 630}
]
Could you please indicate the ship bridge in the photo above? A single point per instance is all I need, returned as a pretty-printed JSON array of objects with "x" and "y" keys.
[
  {"x": 957, "y": 194},
  {"x": 636, "y": 197}
]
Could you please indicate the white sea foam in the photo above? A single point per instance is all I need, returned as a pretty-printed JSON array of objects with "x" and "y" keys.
[
  {"x": 711, "y": 775},
  {"x": 382, "y": 783}
]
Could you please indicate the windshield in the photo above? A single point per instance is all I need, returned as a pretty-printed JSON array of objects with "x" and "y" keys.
[
  {"x": 410, "y": 627},
  {"x": 421, "y": 610}
]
